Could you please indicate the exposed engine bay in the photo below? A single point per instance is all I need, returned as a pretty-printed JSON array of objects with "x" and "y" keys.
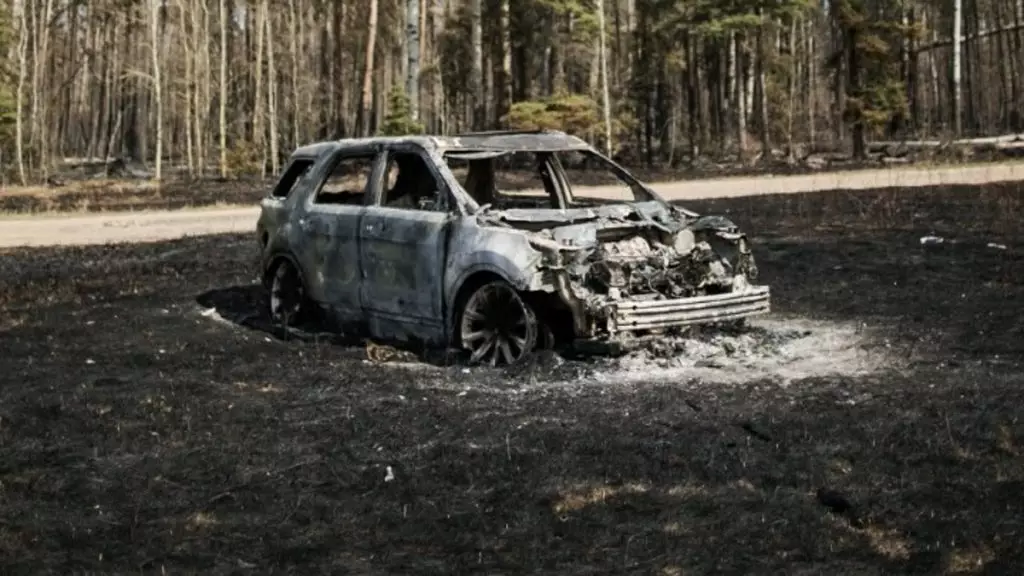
[
  {"x": 637, "y": 268},
  {"x": 649, "y": 260},
  {"x": 639, "y": 265}
]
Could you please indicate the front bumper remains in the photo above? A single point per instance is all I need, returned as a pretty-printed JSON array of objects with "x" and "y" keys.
[
  {"x": 633, "y": 323},
  {"x": 631, "y": 315}
]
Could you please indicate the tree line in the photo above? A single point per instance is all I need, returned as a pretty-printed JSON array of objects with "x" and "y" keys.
[{"x": 230, "y": 86}]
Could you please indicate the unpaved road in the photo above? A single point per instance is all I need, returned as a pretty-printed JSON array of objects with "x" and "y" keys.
[
  {"x": 152, "y": 226},
  {"x": 123, "y": 227}
]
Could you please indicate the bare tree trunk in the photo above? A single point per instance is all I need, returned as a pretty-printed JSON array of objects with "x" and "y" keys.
[
  {"x": 371, "y": 45},
  {"x": 223, "y": 92},
  {"x": 19, "y": 122},
  {"x": 203, "y": 96},
  {"x": 602, "y": 54},
  {"x": 958, "y": 17},
  {"x": 812, "y": 85},
  {"x": 32, "y": 8},
  {"x": 791, "y": 87},
  {"x": 189, "y": 42},
  {"x": 42, "y": 58},
  {"x": 740, "y": 96},
  {"x": 505, "y": 95},
  {"x": 477, "y": 73},
  {"x": 154, "y": 29},
  {"x": 438, "y": 25},
  {"x": 258, "y": 91},
  {"x": 423, "y": 10},
  {"x": 293, "y": 49},
  {"x": 936, "y": 96},
  {"x": 693, "y": 106},
  {"x": 853, "y": 66},
  {"x": 272, "y": 92},
  {"x": 762, "y": 92},
  {"x": 412, "y": 73}
]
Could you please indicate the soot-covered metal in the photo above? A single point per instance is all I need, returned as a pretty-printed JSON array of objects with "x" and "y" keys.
[{"x": 490, "y": 243}]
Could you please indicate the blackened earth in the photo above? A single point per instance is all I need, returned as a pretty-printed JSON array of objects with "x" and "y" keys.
[{"x": 151, "y": 419}]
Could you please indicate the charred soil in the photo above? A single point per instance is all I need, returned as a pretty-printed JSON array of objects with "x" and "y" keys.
[{"x": 151, "y": 420}]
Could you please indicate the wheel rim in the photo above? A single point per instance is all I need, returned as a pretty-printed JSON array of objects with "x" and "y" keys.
[
  {"x": 286, "y": 293},
  {"x": 497, "y": 327}
]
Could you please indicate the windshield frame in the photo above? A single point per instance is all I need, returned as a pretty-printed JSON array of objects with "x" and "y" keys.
[
  {"x": 641, "y": 191},
  {"x": 564, "y": 186}
]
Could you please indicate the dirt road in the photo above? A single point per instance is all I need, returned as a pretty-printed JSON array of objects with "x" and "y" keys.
[{"x": 152, "y": 226}]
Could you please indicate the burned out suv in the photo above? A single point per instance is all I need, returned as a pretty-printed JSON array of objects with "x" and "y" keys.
[{"x": 495, "y": 243}]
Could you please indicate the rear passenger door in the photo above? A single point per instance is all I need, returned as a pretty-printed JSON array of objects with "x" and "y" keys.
[{"x": 330, "y": 224}]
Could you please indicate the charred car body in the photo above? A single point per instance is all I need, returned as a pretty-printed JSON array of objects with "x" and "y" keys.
[{"x": 485, "y": 242}]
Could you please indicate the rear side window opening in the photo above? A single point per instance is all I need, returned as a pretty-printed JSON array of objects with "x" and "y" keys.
[{"x": 291, "y": 177}]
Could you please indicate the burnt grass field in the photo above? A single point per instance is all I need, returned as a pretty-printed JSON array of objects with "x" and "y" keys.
[{"x": 138, "y": 435}]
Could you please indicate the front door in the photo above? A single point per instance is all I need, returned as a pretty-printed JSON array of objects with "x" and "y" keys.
[
  {"x": 330, "y": 223},
  {"x": 403, "y": 239}
]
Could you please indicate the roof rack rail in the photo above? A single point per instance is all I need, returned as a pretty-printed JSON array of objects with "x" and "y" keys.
[{"x": 503, "y": 132}]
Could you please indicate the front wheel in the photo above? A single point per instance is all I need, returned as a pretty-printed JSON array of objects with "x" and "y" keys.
[{"x": 497, "y": 326}]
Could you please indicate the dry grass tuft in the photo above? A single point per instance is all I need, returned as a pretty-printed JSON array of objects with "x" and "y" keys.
[
  {"x": 1005, "y": 441},
  {"x": 200, "y": 521},
  {"x": 971, "y": 560},
  {"x": 580, "y": 497},
  {"x": 888, "y": 543}
]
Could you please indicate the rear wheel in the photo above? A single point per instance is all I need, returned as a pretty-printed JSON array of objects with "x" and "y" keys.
[
  {"x": 496, "y": 326},
  {"x": 288, "y": 304}
]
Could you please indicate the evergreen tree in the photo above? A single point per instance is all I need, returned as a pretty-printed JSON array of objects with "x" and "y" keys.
[{"x": 399, "y": 120}]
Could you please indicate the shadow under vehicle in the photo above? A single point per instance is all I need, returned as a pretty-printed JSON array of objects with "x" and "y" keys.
[{"x": 495, "y": 243}]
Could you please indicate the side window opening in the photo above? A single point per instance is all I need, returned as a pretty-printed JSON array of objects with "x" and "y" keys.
[
  {"x": 506, "y": 180},
  {"x": 410, "y": 184},
  {"x": 291, "y": 177},
  {"x": 348, "y": 181}
]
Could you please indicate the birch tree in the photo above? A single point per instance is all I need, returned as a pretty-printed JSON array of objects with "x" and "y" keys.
[
  {"x": 412, "y": 39},
  {"x": 367, "y": 92},
  {"x": 154, "y": 39},
  {"x": 222, "y": 95}
]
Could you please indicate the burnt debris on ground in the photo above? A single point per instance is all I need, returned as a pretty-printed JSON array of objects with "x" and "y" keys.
[{"x": 137, "y": 435}]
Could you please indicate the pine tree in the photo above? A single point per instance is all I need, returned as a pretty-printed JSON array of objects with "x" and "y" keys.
[
  {"x": 875, "y": 93},
  {"x": 399, "y": 120}
]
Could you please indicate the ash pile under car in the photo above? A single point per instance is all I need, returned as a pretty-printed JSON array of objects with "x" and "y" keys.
[{"x": 484, "y": 242}]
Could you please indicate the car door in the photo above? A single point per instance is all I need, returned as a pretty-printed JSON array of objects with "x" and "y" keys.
[
  {"x": 330, "y": 224},
  {"x": 403, "y": 238}
]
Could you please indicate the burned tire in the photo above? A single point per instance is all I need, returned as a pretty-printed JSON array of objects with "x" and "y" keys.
[
  {"x": 496, "y": 326},
  {"x": 288, "y": 303}
]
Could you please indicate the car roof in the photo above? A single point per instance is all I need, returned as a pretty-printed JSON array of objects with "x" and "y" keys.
[{"x": 498, "y": 141}]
